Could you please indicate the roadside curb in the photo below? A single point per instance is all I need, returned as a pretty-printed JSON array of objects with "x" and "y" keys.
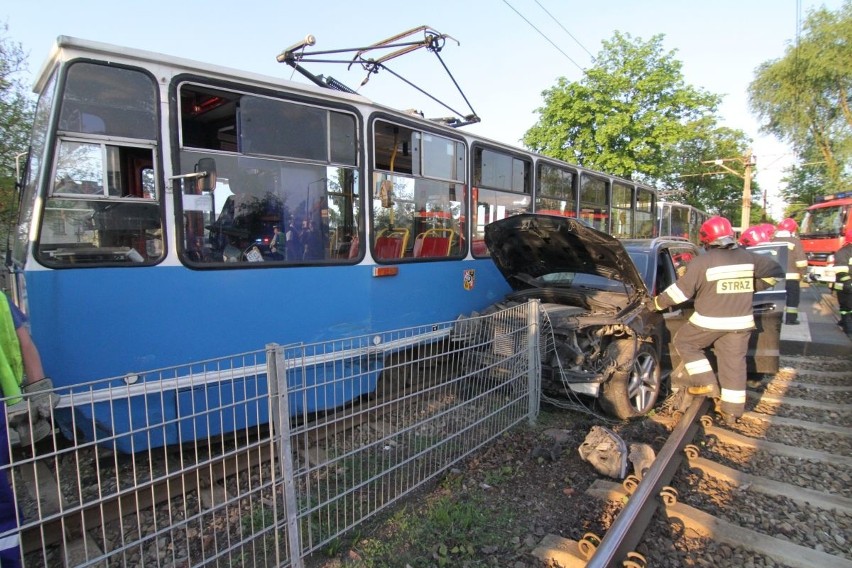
[{"x": 825, "y": 338}]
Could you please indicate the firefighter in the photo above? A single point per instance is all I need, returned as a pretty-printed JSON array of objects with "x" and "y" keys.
[
  {"x": 797, "y": 264},
  {"x": 722, "y": 283},
  {"x": 843, "y": 282}
]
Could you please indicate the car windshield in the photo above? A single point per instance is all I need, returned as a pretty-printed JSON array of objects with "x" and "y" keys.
[
  {"x": 580, "y": 280},
  {"x": 641, "y": 258}
]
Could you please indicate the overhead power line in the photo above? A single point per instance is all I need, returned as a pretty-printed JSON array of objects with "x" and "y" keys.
[
  {"x": 544, "y": 36},
  {"x": 558, "y": 23}
]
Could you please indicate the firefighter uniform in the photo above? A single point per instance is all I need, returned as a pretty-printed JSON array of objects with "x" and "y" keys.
[
  {"x": 722, "y": 282},
  {"x": 797, "y": 264},
  {"x": 843, "y": 283}
]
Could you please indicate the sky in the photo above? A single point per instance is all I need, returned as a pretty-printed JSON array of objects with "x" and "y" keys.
[{"x": 505, "y": 53}]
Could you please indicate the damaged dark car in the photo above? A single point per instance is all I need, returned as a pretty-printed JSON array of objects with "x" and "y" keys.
[{"x": 598, "y": 338}]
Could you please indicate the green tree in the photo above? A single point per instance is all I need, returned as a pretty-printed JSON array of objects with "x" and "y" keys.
[
  {"x": 16, "y": 113},
  {"x": 804, "y": 183},
  {"x": 804, "y": 98},
  {"x": 633, "y": 115}
]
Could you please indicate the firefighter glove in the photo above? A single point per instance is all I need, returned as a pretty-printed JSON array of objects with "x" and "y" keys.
[{"x": 41, "y": 396}]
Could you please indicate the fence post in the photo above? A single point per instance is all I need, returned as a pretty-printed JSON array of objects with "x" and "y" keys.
[
  {"x": 533, "y": 362},
  {"x": 279, "y": 424}
]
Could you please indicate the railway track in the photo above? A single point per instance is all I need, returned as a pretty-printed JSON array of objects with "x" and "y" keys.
[{"x": 773, "y": 490}]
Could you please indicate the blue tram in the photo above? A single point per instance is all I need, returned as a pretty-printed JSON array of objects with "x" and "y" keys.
[{"x": 174, "y": 211}]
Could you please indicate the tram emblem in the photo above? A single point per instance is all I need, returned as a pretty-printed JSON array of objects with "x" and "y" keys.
[{"x": 469, "y": 278}]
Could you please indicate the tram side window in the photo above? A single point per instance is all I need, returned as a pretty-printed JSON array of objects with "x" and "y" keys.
[
  {"x": 680, "y": 222},
  {"x": 501, "y": 188},
  {"x": 664, "y": 217},
  {"x": 644, "y": 214},
  {"x": 695, "y": 223},
  {"x": 622, "y": 210},
  {"x": 102, "y": 207},
  {"x": 287, "y": 185},
  {"x": 594, "y": 202},
  {"x": 418, "y": 194},
  {"x": 314, "y": 209},
  {"x": 555, "y": 195}
]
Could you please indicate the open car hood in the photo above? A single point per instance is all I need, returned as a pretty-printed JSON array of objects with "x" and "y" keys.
[{"x": 536, "y": 245}]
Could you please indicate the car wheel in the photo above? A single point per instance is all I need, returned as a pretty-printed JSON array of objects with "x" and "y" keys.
[{"x": 633, "y": 388}]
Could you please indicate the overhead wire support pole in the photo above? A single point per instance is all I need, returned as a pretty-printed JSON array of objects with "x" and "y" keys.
[
  {"x": 747, "y": 188},
  {"x": 748, "y": 162}
]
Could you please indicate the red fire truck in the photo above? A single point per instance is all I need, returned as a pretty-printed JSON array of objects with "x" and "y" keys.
[{"x": 822, "y": 232}]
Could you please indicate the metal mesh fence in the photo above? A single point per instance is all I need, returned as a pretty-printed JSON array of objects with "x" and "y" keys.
[{"x": 262, "y": 458}]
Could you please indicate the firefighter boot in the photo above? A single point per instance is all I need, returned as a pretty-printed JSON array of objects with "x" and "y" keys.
[
  {"x": 846, "y": 323},
  {"x": 727, "y": 419},
  {"x": 710, "y": 391}
]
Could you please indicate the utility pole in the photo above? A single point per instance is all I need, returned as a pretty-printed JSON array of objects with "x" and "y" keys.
[
  {"x": 748, "y": 164},
  {"x": 748, "y": 161}
]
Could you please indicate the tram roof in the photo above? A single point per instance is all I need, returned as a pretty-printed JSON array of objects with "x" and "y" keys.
[{"x": 67, "y": 47}]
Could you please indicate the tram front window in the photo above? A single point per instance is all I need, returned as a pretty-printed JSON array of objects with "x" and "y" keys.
[{"x": 102, "y": 206}]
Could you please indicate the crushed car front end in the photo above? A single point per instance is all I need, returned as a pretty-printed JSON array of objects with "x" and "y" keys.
[{"x": 597, "y": 338}]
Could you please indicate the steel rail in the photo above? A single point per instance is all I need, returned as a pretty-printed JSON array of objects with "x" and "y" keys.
[{"x": 628, "y": 528}]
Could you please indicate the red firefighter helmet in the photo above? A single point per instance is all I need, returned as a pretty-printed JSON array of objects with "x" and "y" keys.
[
  {"x": 753, "y": 236},
  {"x": 788, "y": 224},
  {"x": 716, "y": 231},
  {"x": 769, "y": 229}
]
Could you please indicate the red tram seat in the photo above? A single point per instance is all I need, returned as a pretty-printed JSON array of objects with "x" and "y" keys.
[
  {"x": 433, "y": 242},
  {"x": 391, "y": 243},
  {"x": 353, "y": 247}
]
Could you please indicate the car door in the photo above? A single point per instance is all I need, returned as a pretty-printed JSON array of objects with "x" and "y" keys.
[
  {"x": 764, "y": 345},
  {"x": 672, "y": 262}
]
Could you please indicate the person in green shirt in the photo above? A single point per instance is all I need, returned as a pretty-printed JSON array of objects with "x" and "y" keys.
[{"x": 29, "y": 400}]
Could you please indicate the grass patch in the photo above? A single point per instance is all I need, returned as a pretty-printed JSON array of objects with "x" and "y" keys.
[
  {"x": 446, "y": 530},
  {"x": 499, "y": 476}
]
